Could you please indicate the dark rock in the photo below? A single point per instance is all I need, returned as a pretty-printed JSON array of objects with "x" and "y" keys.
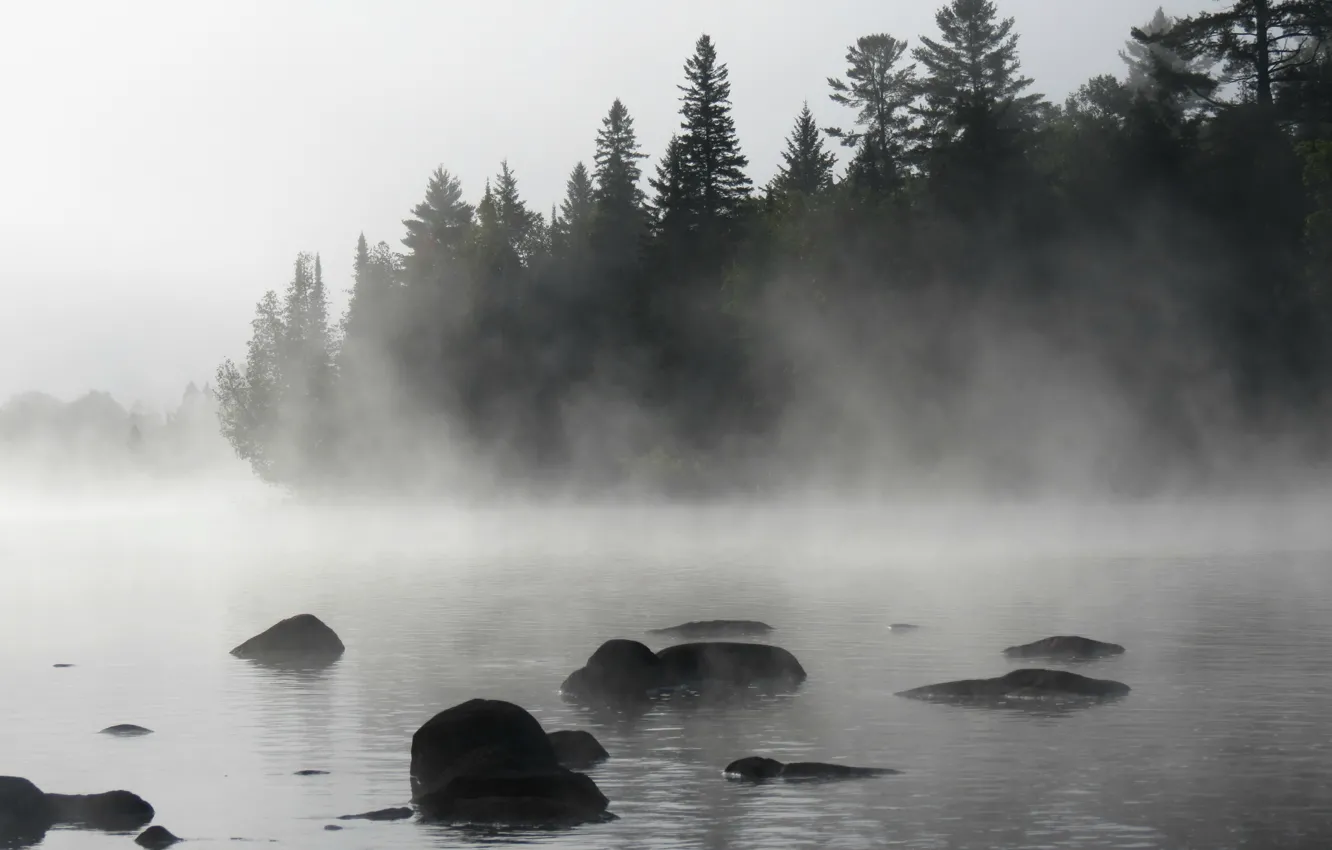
[
  {"x": 400, "y": 813},
  {"x": 1021, "y": 684},
  {"x": 112, "y": 811},
  {"x": 25, "y": 813},
  {"x": 758, "y": 769},
  {"x": 576, "y": 749},
  {"x": 311, "y": 773},
  {"x": 490, "y": 761},
  {"x": 303, "y": 637},
  {"x": 626, "y": 668},
  {"x": 715, "y": 628},
  {"x": 903, "y": 627},
  {"x": 730, "y": 663},
  {"x": 62, "y": 665},
  {"x": 156, "y": 838},
  {"x": 126, "y": 730},
  {"x": 332, "y": 827},
  {"x": 1069, "y": 647}
]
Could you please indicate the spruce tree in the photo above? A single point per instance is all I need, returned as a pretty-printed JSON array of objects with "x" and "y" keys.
[
  {"x": 522, "y": 229},
  {"x": 973, "y": 82},
  {"x": 714, "y": 165},
  {"x": 807, "y": 168},
  {"x": 575, "y": 214},
  {"x": 440, "y": 229},
  {"x": 618, "y": 224},
  {"x": 675, "y": 196}
]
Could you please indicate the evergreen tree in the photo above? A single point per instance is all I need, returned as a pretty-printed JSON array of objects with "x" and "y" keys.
[
  {"x": 250, "y": 401},
  {"x": 713, "y": 164},
  {"x": 441, "y": 227},
  {"x": 972, "y": 82},
  {"x": 882, "y": 93},
  {"x": 618, "y": 225},
  {"x": 674, "y": 198},
  {"x": 520, "y": 228},
  {"x": 1161, "y": 72},
  {"x": 574, "y": 227},
  {"x": 807, "y": 169}
]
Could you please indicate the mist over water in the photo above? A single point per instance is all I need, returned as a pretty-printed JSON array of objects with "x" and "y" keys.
[{"x": 1225, "y": 609}]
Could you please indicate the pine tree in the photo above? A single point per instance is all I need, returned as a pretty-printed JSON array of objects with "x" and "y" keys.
[
  {"x": 674, "y": 199},
  {"x": 714, "y": 166},
  {"x": 973, "y": 83},
  {"x": 1160, "y": 72},
  {"x": 882, "y": 94},
  {"x": 807, "y": 168},
  {"x": 522, "y": 229}
]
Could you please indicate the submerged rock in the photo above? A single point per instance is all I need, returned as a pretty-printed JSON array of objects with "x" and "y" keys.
[
  {"x": 489, "y": 761},
  {"x": 399, "y": 813},
  {"x": 627, "y": 668},
  {"x": 61, "y": 666},
  {"x": 332, "y": 827},
  {"x": 1020, "y": 684},
  {"x": 156, "y": 838},
  {"x": 301, "y": 638},
  {"x": 576, "y": 749},
  {"x": 715, "y": 628},
  {"x": 311, "y": 773},
  {"x": 903, "y": 627},
  {"x": 1070, "y": 647},
  {"x": 126, "y": 730},
  {"x": 27, "y": 812},
  {"x": 758, "y": 769}
]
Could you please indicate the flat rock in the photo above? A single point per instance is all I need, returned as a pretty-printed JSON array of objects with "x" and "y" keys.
[
  {"x": 399, "y": 813},
  {"x": 1020, "y": 684},
  {"x": 715, "y": 628},
  {"x": 61, "y": 666},
  {"x": 628, "y": 670},
  {"x": 1069, "y": 647},
  {"x": 126, "y": 730},
  {"x": 311, "y": 773},
  {"x": 760, "y": 769}
]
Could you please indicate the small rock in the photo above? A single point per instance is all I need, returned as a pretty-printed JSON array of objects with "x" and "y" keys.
[
  {"x": 126, "y": 730},
  {"x": 903, "y": 627},
  {"x": 311, "y": 773},
  {"x": 156, "y": 837},
  {"x": 62, "y": 665},
  {"x": 332, "y": 827},
  {"x": 576, "y": 749}
]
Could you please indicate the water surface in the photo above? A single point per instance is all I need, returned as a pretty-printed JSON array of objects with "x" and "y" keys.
[{"x": 1226, "y": 612}]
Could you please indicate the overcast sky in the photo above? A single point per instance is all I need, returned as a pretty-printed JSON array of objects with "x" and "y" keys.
[{"x": 162, "y": 163}]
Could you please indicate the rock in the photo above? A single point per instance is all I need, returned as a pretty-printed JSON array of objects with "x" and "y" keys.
[
  {"x": 126, "y": 730},
  {"x": 400, "y": 813},
  {"x": 903, "y": 627},
  {"x": 61, "y": 666},
  {"x": 25, "y": 814},
  {"x": 626, "y": 668},
  {"x": 576, "y": 749},
  {"x": 490, "y": 761},
  {"x": 618, "y": 668},
  {"x": 332, "y": 827},
  {"x": 156, "y": 838},
  {"x": 758, "y": 769},
  {"x": 311, "y": 773},
  {"x": 300, "y": 638},
  {"x": 715, "y": 628},
  {"x": 112, "y": 811},
  {"x": 1021, "y": 684},
  {"x": 730, "y": 663},
  {"x": 1070, "y": 647}
]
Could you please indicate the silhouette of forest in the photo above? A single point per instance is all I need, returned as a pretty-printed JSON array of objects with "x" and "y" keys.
[{"x": 962, "y": 274}]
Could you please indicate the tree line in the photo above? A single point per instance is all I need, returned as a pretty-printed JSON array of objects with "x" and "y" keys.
[{"x": 1163, "y": 236}]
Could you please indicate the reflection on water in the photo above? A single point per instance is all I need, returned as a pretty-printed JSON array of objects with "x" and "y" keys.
[{"x": 1222, "y": 743}]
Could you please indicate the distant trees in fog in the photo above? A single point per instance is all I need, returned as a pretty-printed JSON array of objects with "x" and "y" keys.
[{"x": 1167, "y": 229}]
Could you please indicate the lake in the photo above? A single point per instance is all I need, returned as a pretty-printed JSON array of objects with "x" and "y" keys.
[{"x": 1226, "y": 611}]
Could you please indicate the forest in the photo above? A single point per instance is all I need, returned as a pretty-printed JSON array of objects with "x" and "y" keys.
[{"x": 963, "y": 283}]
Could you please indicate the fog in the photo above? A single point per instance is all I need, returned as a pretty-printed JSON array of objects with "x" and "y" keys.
[{"x": 163, "y": 163}]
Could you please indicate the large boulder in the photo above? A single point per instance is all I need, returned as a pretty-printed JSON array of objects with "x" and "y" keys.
[
  {"x": 26, "y": 812},
  {"x": 625, "y": 668},
  {"x": 303, "y": 638},
  {"x": 489, "y": 761},
  {"x": 1021, "y": 684},
  {"x": 576, "y": 749},
  {"x": 715, "y": 628},
  {"x": 1066, "y": 647},
  {"x": 759, "y": 769}
]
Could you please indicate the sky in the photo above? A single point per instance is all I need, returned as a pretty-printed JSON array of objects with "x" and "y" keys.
[{"x": 161, "y": 163}]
